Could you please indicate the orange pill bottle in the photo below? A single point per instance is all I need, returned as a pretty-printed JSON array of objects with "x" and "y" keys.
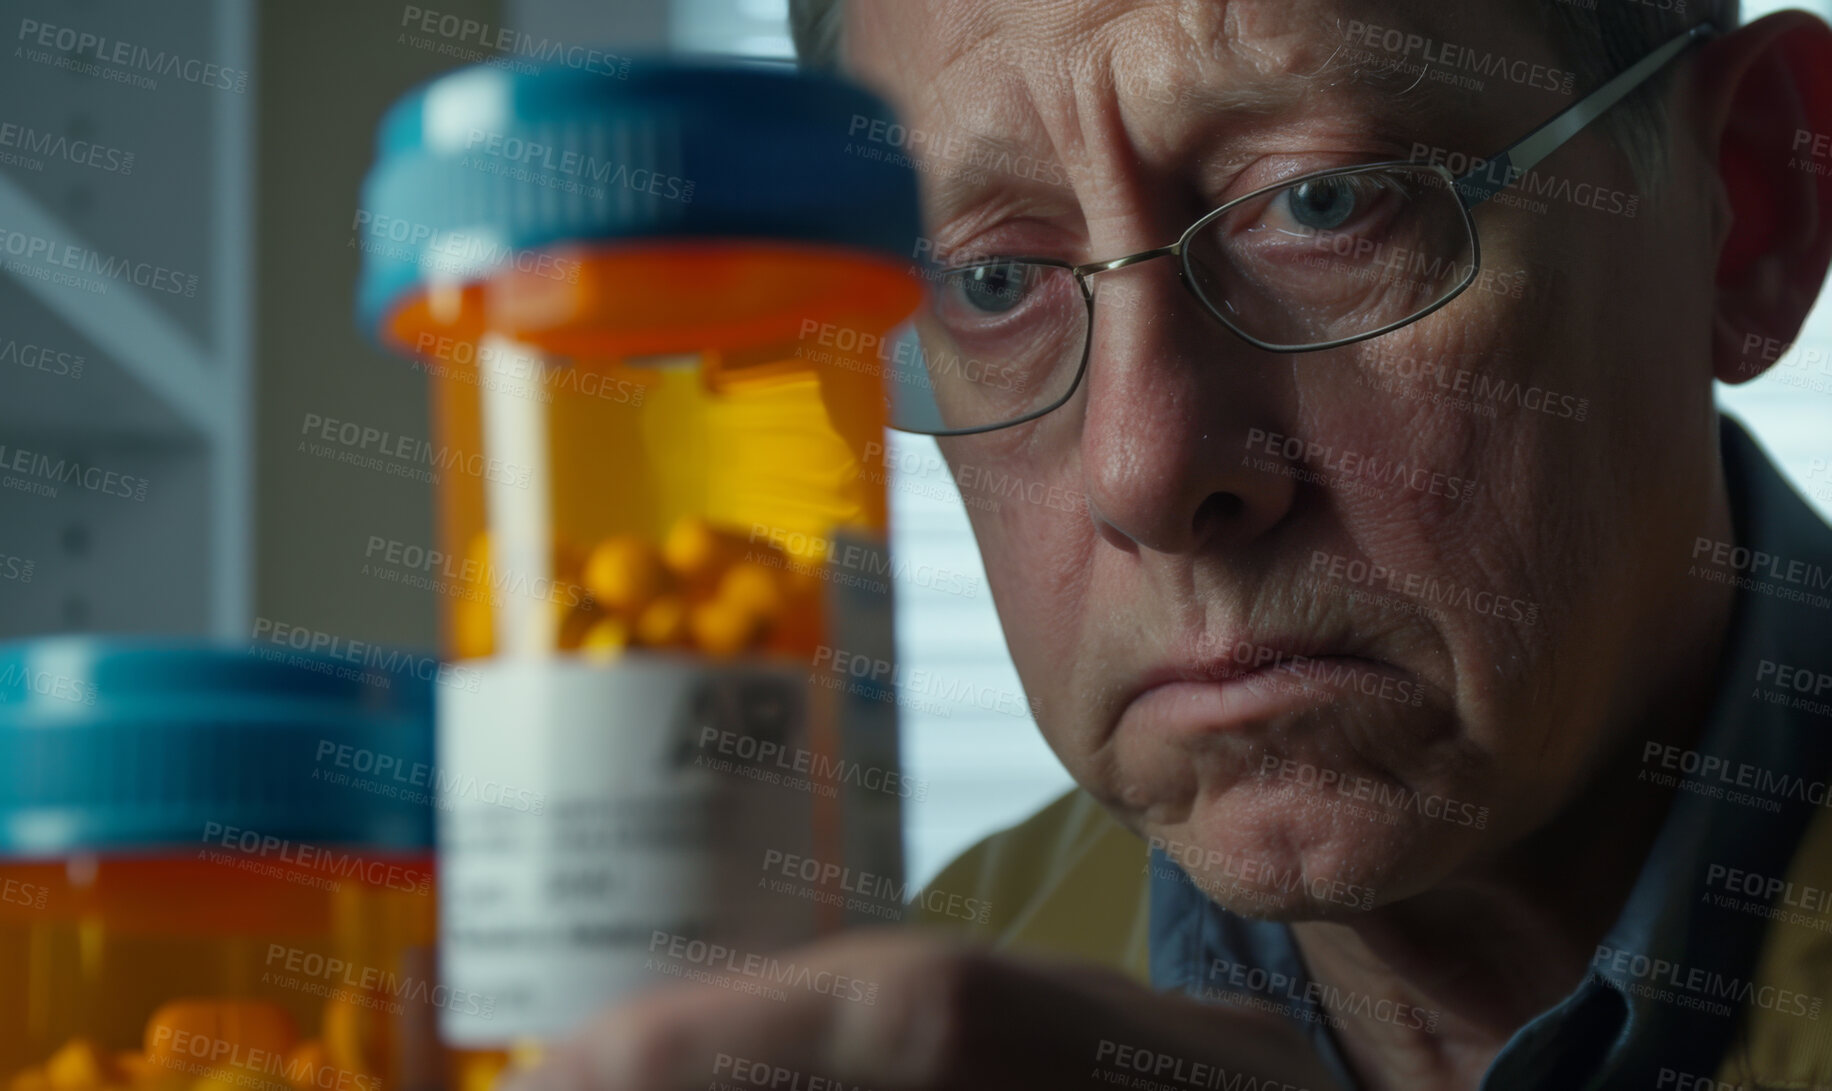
[
  {"x": 657, "y": 310},
  {"x": 216, "y": 871}
]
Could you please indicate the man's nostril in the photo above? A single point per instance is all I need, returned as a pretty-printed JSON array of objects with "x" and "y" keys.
[{"x": 1217, "y": 510}]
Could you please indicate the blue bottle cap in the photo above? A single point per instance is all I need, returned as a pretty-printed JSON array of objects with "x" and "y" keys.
[
  {"x": 131, "y": 746},
  {"x": 478, "y": 170}
]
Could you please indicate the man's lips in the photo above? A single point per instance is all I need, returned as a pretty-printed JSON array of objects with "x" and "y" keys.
[{"x": 1223, "y": 695}]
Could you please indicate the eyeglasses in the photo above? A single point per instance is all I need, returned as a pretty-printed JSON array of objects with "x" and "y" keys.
[{"x": 1309, "y": 263}]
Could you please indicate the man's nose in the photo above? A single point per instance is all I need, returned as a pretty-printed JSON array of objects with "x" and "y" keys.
[{"x": 1171, "y": 397}]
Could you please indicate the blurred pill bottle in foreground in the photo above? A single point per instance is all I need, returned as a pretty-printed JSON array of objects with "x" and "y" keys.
[
  {"x": 656, "y": 309},
  {"x": 216, "y": 869}
]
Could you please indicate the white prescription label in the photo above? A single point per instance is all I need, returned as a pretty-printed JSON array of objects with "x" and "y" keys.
[{"x": 646, "y": 804}]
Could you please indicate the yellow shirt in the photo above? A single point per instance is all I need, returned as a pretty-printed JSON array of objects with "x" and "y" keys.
[{"x": 1071, "y": 881}]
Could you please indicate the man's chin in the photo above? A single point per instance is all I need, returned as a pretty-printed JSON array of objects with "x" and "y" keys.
[
  {"x": 1292, "y": 860},
  {"x": 1268, "y": 891},
  {"x": 1296, "y": 902}
]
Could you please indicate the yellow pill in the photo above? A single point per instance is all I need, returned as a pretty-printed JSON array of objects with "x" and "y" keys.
[
  {"x": 697, "y": 551},
  {"x": 625, "y": 573},
  {"x": 663, "y": 622},
  {"x": 77, "y": 1066},
  {"x": 721, "y": 628},
  {"x": 753, "y": 587},
  {"x": 250, "y": 1024},
  {"x": 607, "y": 639}
]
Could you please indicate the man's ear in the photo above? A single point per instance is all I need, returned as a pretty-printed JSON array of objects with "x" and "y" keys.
[{"x": 1765, "y": 101}]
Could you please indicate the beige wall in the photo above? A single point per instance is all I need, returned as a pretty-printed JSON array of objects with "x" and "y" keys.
[{"x": 327, "y": 71}]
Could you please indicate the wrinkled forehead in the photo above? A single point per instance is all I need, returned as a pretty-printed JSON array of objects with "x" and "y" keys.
[
  {"x": 1082, "y": 79},
  {"x": 1070, "y": 38},
  {"x": 1267, "y": 44}
]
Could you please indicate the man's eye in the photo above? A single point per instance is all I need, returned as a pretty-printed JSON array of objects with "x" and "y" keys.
[
  {"x": 1323, "y": 205},
  {"x": 994, "y": 289}
]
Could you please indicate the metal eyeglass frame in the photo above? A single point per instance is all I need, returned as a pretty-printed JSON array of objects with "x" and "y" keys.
[{"x": 1473, "y": 188}]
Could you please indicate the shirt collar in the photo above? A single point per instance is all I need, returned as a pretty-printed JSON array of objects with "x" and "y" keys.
[{"x": 1676, "y": 960}]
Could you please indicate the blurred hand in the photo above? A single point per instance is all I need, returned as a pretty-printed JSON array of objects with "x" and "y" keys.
[{"x": 928, "y": 1015}]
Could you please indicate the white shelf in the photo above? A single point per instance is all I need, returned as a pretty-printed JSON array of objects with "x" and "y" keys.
[
  {"x": 137, "y": 340},
  {"x": 163, "y": 393}
]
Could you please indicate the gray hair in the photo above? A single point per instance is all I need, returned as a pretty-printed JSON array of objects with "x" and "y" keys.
[
  {"x": 1598, "y": 37},
  {"x": 1603, "y": 39}
]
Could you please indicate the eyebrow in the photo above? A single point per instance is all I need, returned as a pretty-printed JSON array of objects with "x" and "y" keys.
[
  {"x": 1410, "y": 97},
  {"x": 1408, "y": 102},
  {"x": 957, "y": 184}
]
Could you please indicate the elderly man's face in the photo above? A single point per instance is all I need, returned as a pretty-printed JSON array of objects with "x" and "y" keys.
[{"x": 1479, "y": 628}]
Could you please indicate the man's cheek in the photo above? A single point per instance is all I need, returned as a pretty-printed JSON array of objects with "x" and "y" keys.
[{"x": 1039, "y": 566}]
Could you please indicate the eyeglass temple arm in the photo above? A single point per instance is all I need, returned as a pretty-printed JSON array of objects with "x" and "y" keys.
[{"x": 1502, "y": 171}]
